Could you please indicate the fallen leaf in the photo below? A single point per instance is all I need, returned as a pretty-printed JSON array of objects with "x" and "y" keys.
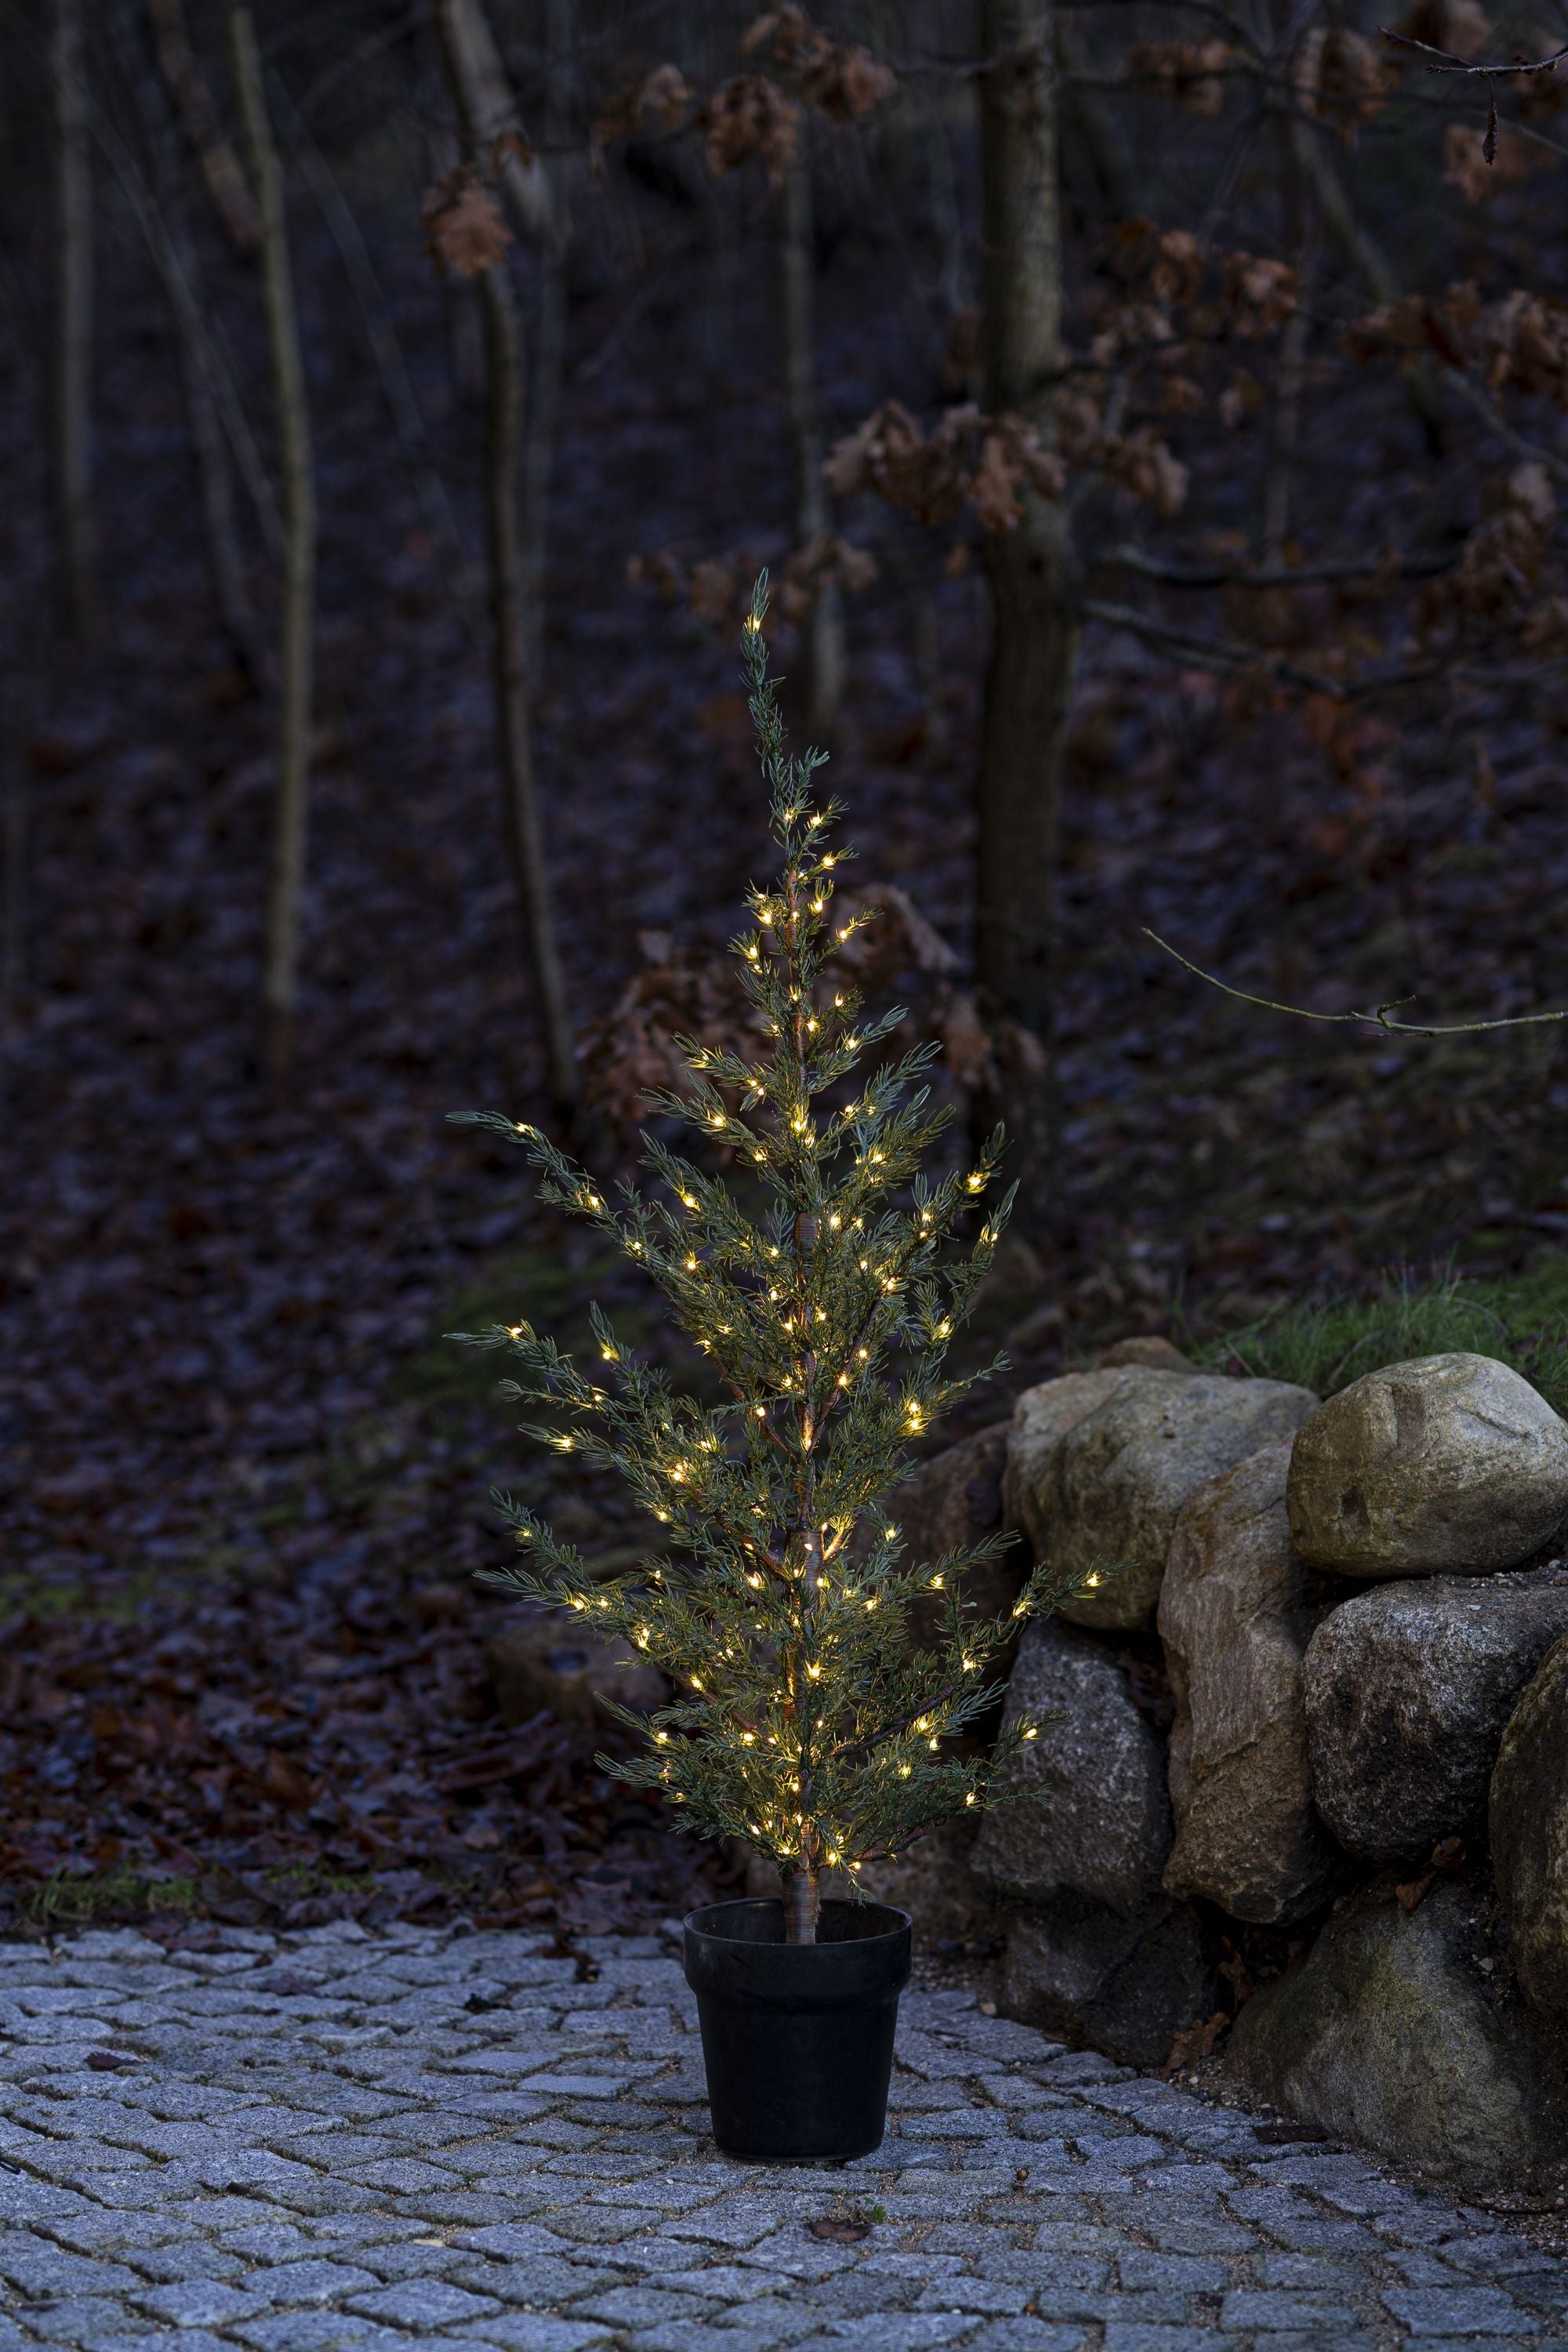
[{"x": 1195, "y": 2041}]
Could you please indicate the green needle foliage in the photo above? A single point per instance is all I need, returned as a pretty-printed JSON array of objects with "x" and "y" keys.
[{"x": 804, "y": 1719}]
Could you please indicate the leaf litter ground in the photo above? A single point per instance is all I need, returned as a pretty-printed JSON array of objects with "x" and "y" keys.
[{"x": 242, "y": 1661}]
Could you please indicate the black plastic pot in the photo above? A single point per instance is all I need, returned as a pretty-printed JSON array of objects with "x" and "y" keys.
[{"x": 797, "y": 2037}]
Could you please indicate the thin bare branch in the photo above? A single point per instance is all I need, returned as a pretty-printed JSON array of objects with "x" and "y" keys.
[
  {"x": 1302, "y": 575},
  {"x": 1380, "y": 1018},
  {"x": 1449, "y": 64},
  {"x": 1227, "y": 654}
]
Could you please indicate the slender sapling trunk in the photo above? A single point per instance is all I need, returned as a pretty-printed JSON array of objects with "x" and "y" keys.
[
  {"x": 72, "y": 419},
  {"x": 280, "y": 954},
  {"x": 550, "y": 337},
  {"x": 460, "y": 27},
  {"x": 1028, "y": 682},
  {"x": 525, "y": 830},
  {"x": 187, "y": 87},
  {"x": 214, "y": 483}
]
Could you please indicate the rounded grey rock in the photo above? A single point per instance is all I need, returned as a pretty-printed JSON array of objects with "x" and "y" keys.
[
  {"x": 1083, "y": 1811},
  {"x": 1236, "y": 1628},
  {"x": 1102, "y": 1499},
  {"x": 1391, "y": 2032},
  {"x": 1446, "y": 1465},
  {"x": 1530, "y": 1836},
  {"x": 1408, "y": 1689}
]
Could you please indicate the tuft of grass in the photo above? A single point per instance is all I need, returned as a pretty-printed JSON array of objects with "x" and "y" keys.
[
  {"x": 65, "y": 1900},
  {"x": 1325, "y": 1343}
]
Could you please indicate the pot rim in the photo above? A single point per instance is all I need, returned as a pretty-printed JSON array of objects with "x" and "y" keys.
[{"x": 693, "y": 1925}]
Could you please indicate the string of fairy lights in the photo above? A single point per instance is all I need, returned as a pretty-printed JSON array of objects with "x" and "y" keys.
[{"x": 806, "y": 1717}]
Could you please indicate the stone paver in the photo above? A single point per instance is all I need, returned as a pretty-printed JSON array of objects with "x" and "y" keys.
[{"x": 383, "y": 2141}]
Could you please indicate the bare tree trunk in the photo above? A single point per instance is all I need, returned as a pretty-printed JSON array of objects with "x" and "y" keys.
[
  {"x": 525, "y": 830},
  {"x": 14, "y": 829},
  {"x": 503, "y": 440},
  {"x": 199, "y": 115},
  {"x": 487, "y": 109},
  {"x": 215, "y": 484},
  {"x": 381, "y": 334},
  {"x": 73, "y": 322},
  {"x": 550, "y": 339},
  {"x": 225, "y": 564},
  {"x": 1028, "y": 681},
  {"x": 822, "y": 631},
  {"x": 295, "y": 643}
]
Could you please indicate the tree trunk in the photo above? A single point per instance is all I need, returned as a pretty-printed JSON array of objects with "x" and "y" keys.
[
  {"x": 15, "y": 809},
  {"x": 73, "y": 322},
  {"x": 381, "y": 334},
  {"x": 802, "y": 1907},
  {"x": 456, "y": 22},
  {"x": 525, "y": 832},
  {"x": 225, "y": 564},
  {"x": 822, "y": 631},
  {"x": 281, "y": 963},
  {"x": 187, "y": 87},
  {"x": 488, "y": 115},
  {"x": 550, "y": 339},
  {"x": 215, "y": 484},
  {"x": 1028, "y": 681}
]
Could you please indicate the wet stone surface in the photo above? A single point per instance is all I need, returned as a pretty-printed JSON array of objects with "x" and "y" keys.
[{"x": 432, "y": 2136}]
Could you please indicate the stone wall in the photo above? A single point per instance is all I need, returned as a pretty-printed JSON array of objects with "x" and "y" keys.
[{"x": 1308, "y": 1790}]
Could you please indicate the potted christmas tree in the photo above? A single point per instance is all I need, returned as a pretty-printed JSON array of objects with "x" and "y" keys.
[{"x": 817, "y": 1282}]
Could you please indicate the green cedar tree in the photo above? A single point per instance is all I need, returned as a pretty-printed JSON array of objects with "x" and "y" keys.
[{"x": 804, "y": 1717}]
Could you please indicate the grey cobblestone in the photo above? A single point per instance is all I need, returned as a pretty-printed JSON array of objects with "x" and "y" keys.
[{"x": 372, "y": 2164}]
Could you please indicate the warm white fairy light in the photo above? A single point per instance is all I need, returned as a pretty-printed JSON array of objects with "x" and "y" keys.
[{"x": 814, "y": 1334}]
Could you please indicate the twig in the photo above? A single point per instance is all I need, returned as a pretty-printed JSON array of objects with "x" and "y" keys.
[
  {"x": 1225, "y": 654},
  {"x": 1449, "y": 64},
  {"x": 1474, "y": 397},
  {"x": 1304, "y": 576},
  {"x": 1379, "y": 1019}
]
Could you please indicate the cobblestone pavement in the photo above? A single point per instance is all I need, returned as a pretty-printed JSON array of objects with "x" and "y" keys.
[{"x": 426, "y": 2136}]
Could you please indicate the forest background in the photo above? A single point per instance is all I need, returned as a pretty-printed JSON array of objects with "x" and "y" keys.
[{"x": 1150, "y": 417}]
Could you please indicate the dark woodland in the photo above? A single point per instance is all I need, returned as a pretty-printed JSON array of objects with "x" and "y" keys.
[{"x": 1150, "y": 417}]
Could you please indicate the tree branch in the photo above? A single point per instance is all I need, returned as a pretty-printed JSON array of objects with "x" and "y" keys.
[
  {"x": 1127, "y": 557},
  {"x": 1449, "y": 64},
  {"x": 1380, "y": 1018},
  {"x": 1226, "y": 655}
]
